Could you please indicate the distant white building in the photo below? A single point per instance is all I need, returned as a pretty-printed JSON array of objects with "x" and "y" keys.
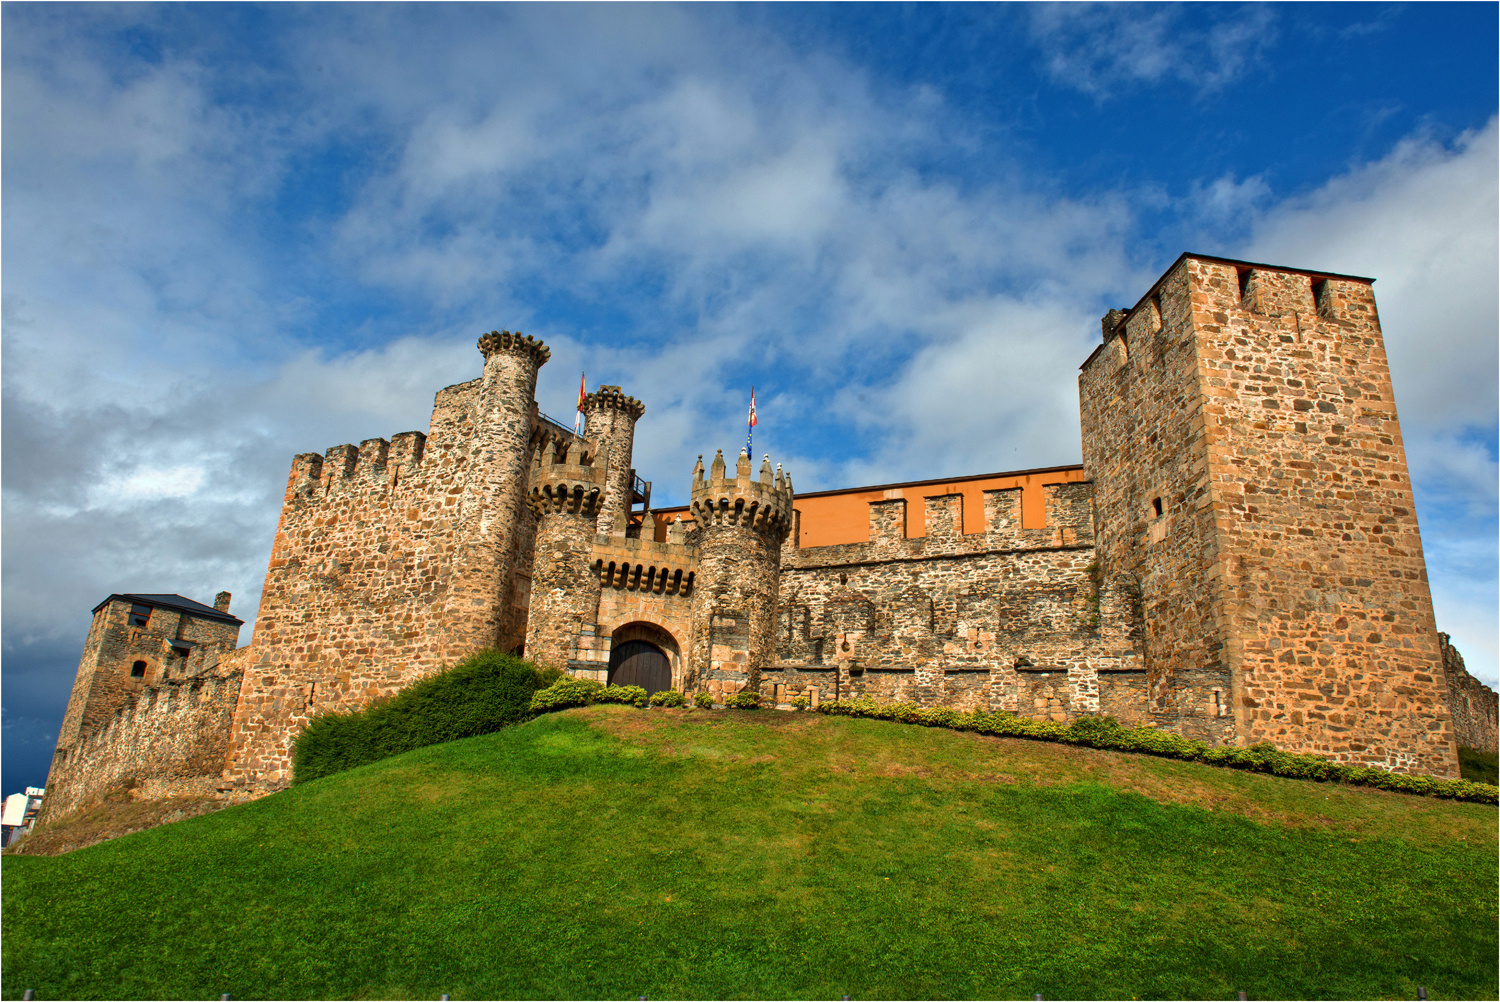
[{"x": 19, "y": 813}]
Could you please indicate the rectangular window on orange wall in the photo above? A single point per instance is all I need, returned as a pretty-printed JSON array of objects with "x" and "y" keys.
[{"x": 139, "y": 615}]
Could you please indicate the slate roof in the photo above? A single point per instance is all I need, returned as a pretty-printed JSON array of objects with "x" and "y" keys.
[{"x": 177, "y": 602}]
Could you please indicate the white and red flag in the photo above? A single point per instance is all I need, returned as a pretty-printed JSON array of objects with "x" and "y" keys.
[
  {"x": 582, "y": 393},
  {"x": 750, "y": 430}
]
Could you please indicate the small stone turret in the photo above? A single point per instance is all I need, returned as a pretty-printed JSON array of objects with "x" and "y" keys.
[
  {"x": 611, "y": 417},
  {"x": 742, "y": 523},
  {"x": 567, "y": 494}
]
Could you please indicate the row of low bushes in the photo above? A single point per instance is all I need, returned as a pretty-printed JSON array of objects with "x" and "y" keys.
[
  {"x": 1108, "y": 733},
  {"x": 568, "y": 692},
  {"x": 485, "y": 692}
]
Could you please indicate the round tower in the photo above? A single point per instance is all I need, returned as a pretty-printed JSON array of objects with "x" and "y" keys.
[
  {"x": 492, "y": 503},
  {"x": 741, "y": 524},
  {"x": 611, "y": 419},
  {"x": 567, "y": 493}
]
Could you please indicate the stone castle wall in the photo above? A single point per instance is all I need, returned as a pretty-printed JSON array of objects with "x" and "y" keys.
[
  {"x": 170, "y": 738},
  {"x": 645, "y": 593},
  {"x": 1244, "y": 565},
  {"x": 1006, "y": 618},
  {"x": 104, "y": 684},
  {"x": 1473, "y": 705}
]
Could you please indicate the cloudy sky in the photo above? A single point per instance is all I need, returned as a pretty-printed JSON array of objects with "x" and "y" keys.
[{"x": 236, "y": 233}]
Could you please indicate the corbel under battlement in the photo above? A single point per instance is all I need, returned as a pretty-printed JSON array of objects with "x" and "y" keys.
[{"x": 515, "y": 344}]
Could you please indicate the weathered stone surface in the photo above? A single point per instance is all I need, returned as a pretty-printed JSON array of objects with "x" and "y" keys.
[{"x": 1253, "y": 504}]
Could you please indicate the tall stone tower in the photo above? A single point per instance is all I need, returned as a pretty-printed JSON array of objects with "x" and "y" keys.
[
  {"x": 492, "y": 506},
  {"x": 1256, "y": 520},
  {"x": 567, "y": 493},
  {"x": 741, "y": 526},
  {"x": 611, "y": 419}
]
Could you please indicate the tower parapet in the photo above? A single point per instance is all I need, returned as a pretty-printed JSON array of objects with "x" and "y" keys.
[
  {"x": 575, "y": 484},
  {"x": 763, "y": 505},
  {"x": 742, "y": 523}
]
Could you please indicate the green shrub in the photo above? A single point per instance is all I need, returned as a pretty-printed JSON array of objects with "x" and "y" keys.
[
  {"x": 744, "y": 700},
  {"x": 565, "y": 692},
  {"x": 1479, "y": 766},
  {"x": 668, "y": 697},
  {"x": 703, "y": 701},
  {"x": 627, "y": 694},
  {"x": 801, "y": 703},
  {"x": 483, "y": 693}
]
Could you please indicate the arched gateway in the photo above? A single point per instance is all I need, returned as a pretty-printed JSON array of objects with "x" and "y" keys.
[{"x": 642, "y": 663}]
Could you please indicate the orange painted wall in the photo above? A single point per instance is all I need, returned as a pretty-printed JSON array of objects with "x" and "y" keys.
[{"x": 843, "y": 516}]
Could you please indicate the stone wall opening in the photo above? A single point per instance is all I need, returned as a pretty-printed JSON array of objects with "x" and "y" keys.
[{"x": 646, "y": 655}]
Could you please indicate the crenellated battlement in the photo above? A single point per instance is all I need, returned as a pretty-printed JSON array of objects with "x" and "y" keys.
[
  {"x": 764, "y": 505},
  {"x": 576, "y": 483},
  {"x": 613, "y": 398},
  {"x": 514, "y": 344},
  {"x": 373, "y": 461}
]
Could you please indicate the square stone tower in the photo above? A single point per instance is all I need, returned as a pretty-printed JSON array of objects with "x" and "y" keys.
[
  {"x": 140, "y": 640},
  {"x": 1256, "y": 526}
]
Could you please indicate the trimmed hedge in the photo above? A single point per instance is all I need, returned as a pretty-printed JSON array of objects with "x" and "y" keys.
[
  {"x": 1108, "y": 733},
  {"x": 484, "y": 692},
  {"x": 566, "y": 692}
]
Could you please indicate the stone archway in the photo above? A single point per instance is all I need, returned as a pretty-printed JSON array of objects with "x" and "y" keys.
[
  {"x": 649, "y": 648},
  {"x": 642, "y": 663}
]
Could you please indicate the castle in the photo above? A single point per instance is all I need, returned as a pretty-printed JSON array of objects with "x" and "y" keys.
[{"x": 1236, "y": 560}]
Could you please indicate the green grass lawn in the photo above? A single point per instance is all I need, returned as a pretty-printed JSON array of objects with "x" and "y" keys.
[{"x": 611, "y": 852}]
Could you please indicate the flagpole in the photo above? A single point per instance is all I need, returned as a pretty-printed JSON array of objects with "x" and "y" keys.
[{"x": 750, "y": 428}]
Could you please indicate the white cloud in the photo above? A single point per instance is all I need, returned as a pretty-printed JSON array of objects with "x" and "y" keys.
[{"x": 1100, "y": 49}]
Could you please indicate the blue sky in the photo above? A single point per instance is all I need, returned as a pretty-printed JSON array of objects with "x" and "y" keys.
[{"x": 236, "y": 233}]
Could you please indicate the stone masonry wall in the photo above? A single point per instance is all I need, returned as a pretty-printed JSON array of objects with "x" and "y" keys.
[
  {"x": 1472, "y": 703},
  {"x": 170, "y": 738},
  {"x": 1284, "y": 568},
  {"x": 1002, "y": 619},
  {"x": 393, "y": 560},
  {"x": 1142, "y": 424},
  {"x": 567, "y": 493}
]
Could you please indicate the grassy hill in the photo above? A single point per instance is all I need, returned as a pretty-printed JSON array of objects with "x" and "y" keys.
[{"x": 610, "y": 852}]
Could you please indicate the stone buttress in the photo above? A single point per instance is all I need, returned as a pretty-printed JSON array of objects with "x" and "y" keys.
[
  {"x": 1256, "y": 519},
  {"x": 741, "y": 524}
]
